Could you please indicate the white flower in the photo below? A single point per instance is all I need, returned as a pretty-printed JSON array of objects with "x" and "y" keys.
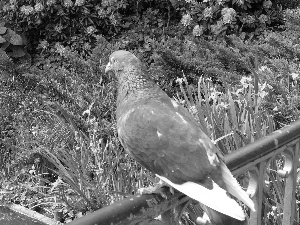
[
  {"x": 79, "y": 2},
  {"x": 295, "y": 76},
  {"x": 101, "y": 13},
  {"x": 217, "y": 27},
  {"x": 186, "y": 19},
  {"x": 228, "y": 15},
  {"x": 27, "y": 9},
  {"x": 68, "y": 3},
  {"x": 245, "y": 81},
  {"x": 179, "y": 80},
  {"x": 208, "y": 12},
  {"x": 90, "y": 29},
  {"x": 264, "y": 69},
  {"x": 60, "y": 49},
  {"x": 267, "y": 4},
  {"x": 51, "y": 2},
  {"x": 263, "y": 18},
  {"x": 58, "y": 28},
  {"x": 44, "y": 44},
  {"x": 198, "y": 30},
  {"x": 86, "y": 46},
  {"x": 38, "y": 7},
  {"x": 113, "y": 19},
  {"x": 220, "y": 2}
]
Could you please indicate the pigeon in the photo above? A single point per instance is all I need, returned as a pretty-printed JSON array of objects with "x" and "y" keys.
[{"x": 165, "y": 138}]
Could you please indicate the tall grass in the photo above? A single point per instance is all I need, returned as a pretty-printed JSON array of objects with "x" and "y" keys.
[{"x": 96, "y": 169}]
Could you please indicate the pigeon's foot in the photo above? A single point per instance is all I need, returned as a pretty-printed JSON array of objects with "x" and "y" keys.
[{"x": 159, "y": 188}]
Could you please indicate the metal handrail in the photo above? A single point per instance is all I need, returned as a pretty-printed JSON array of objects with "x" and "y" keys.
[{"x": 253, "y": 157}]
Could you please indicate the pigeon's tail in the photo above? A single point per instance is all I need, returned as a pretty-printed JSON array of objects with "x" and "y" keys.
[
  {"x": 233, "y": 187},
  {"x": 216, "y": 198},
  {"x": 218, "y": 218}
]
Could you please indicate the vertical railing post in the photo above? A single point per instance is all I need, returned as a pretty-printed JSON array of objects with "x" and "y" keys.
[
  {"x": 255, "y": 217},
  {"x": 290, "y": 185}
]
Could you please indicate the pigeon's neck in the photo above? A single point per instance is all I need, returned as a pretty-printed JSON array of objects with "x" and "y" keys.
[{"x": 134, "y": 84}]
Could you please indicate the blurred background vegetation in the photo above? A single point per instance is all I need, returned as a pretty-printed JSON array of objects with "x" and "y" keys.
[{"x": 233, "y": 63}]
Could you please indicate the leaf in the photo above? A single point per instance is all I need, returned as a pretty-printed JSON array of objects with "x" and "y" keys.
[
  {"x": 3, "y": 56},
  {"x": 15, "y": 39},
  {"x": 3, "y": 30},
  {"x": 17, "y": 52},
  {"x": 2, "y": 40}
]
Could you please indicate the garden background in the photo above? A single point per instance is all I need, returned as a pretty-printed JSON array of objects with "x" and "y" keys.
[{"x": 233, "y": 63}]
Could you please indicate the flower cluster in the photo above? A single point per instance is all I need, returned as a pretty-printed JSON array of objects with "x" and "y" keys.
[
  {"x": 208, "y": 13},
  {"x": 86, "y": 46},
  {"x": 60, "y": 49},
  {"x": 189, "y": 1},
  {"x": 228, "y": 14},
  {"x": 217, "y": 27},
  {"x": 248, "y": 19},
  {"x": 38, "y": 7},
  {"x": 186, "y": 19},
  {"x": 68, "y": 3},
  {"x": 247, "y": 82},
  {"x": 101, "y": 13},
  {"x": 198, "y": 30},
  {"x": 263, "y": 18},
  {"x": 295, "y": 76},
  {"x": 267, "y": 4},
  {"x": 51, "y": 2},
  {"x": 220, "y": 2},
  {"x": 90, "y": 30},
  {"x": 79, "y": 2},
  {"x": 58, "y": 28},
  {"x": 43, "y": 44},
  {"x": 113, "y": 20},
  {"x": 27, "y": 9}
]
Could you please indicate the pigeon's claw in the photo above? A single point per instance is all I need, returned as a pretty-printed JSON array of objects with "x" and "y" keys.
[{"x": 157, "y": 189}]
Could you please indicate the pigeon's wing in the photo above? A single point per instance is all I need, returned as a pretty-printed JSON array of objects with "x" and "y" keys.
[{"x": 163, "y": 137}]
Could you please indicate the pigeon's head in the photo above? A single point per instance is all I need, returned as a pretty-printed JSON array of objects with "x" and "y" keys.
[{"x": 119, "y": 60}]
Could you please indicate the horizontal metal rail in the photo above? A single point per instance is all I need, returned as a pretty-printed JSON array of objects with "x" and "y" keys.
[{"x": 253, "y": 159}]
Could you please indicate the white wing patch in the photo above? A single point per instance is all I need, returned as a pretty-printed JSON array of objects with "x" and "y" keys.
[
  {"x": 174, "y": 103},
  {"x": 212, "y": 157},
  {"x": 181, "y": 117},
  {"x": 215, "y": 198}
]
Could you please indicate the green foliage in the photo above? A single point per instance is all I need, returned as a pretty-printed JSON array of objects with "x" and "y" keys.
[
  {"x": 11, "y": 42},
  {"x": 220, "y": 17},
  {"x": 288, "y": 4},
  {"x": 78, "y": 24},
  {"x": 72, "y": 23}
]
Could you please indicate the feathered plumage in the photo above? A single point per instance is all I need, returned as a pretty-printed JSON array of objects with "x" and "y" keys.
[{"x": 164, "y": 137}]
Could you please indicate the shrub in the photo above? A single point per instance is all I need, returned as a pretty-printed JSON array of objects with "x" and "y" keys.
[
  {"x": 11, "y": 42},
  {"x": 72, "y": 23},
  {"x": 218, "y": 17}
]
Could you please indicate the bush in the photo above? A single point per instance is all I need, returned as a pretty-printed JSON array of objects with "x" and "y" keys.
[
  {"x": 71, "y": 23},
  {"x": 217, "y": 17},
  {"x": 78, "y": 24}
]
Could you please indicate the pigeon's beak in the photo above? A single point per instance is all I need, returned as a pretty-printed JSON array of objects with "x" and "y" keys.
[{"x": 108, "y": 67}]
